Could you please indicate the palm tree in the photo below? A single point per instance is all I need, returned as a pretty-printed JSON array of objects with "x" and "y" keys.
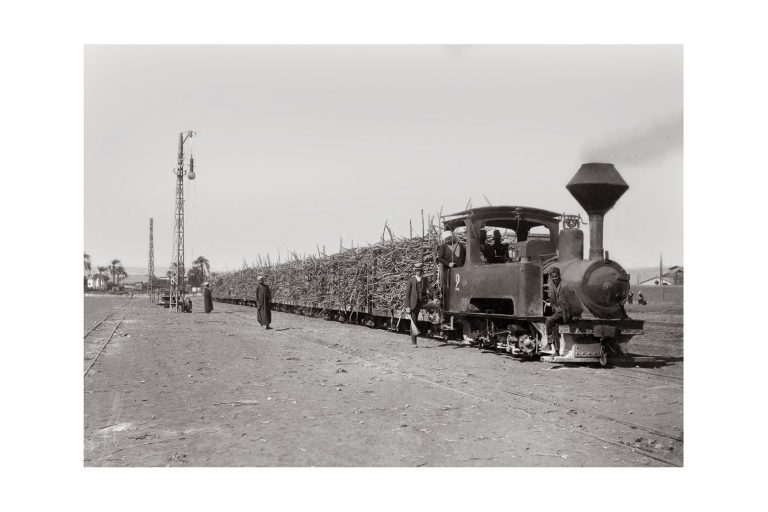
[
  {"x": 204, "y": 267},
  {"x": 113, "y": 265},
  {"x": 117, "y": 271},
  {"x": 200, "y": 270},
  {"x": 86, "y": 269},
  {"x": 121, "y": 273}
]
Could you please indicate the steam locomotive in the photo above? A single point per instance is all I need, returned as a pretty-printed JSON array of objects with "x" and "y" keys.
[{"x": 502, "y": 303}]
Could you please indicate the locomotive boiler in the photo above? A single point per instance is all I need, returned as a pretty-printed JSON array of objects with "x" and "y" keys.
[{"x": 501, "y": 302}]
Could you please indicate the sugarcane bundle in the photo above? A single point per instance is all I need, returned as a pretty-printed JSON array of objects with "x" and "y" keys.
[{"x": 356, "y": 279}]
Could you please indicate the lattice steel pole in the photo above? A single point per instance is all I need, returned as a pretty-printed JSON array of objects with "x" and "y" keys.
[
  {"x": 151, "y": 266},
  {"x": 177, "y": 266}
]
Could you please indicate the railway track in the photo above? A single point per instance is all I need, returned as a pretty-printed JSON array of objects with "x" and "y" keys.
[
  {"x": 404, "y": 366},
  {"x": 96, "y": 326},
  {"x": 94, "y": 344}
]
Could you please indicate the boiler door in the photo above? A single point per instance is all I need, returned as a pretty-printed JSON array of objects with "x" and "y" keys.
[{"x": 605, "y": 286}]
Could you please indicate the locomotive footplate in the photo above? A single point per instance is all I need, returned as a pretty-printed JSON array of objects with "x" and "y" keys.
[
  {"x": 603, "y": 328},
  {"x": 597, "y": 341}
]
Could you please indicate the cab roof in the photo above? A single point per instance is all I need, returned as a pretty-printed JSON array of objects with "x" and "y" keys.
[{"x": 501, "y": 215}]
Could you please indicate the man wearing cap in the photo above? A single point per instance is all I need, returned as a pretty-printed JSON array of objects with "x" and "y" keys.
[
  {"x": 485, "y": 247},
  {"x": 207, "y": 298},
  {"x": 565, "y": 306},
  {"x": 497, "y": 250},
  {"x": 263, "y": 298},
  {"x": 416, "y": 296}
]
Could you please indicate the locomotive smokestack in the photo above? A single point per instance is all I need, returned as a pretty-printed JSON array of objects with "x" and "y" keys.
[{"x": 597, "y": 187}]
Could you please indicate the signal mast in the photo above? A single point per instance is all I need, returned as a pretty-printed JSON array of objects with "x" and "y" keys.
[
  {"x": 177, "y": 265},
  {"x": 151, "y": 264}
]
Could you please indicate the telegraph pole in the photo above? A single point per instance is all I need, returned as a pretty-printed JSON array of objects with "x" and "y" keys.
[
  {"x": 151, "y": 266},
  {"x": 177, "y": 265},
  {"x": 661, "y": 270}
]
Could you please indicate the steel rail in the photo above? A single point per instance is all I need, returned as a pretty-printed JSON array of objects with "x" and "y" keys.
[
  {"x": 105, "y": 344},
  {"x": 98, "y": 324},
  {"x": 119, "y": 308}
]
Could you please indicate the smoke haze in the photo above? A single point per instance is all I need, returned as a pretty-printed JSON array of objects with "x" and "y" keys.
[{"x": 641, "y": 145}]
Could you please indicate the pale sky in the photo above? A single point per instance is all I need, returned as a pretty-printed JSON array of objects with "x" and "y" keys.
[{"x": 298, "y": 145}]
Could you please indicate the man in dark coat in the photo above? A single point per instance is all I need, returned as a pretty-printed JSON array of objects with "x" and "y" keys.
[
  {"x": 565, "y": 307},
  {"x": 450, "y": 254},
  {"x": 416, "y": 296},
  {"x": 498, "y": 250},
  {"x": 263, "y": 299},
  {"x": 207, "y": 298}
]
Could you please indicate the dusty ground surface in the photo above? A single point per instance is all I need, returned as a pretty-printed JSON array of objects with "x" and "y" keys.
[{"x": 218, "y": 390}]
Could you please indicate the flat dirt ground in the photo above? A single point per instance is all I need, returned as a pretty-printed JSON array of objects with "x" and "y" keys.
[{"x": 218, "y": 390}]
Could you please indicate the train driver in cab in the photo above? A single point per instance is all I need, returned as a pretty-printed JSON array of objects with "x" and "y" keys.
[{"x": 497, "y": 250}]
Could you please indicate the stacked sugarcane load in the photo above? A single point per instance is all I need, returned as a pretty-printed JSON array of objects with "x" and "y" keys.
[{"x": 369, "y": 279}]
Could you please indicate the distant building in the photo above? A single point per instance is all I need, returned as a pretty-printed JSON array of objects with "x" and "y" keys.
[
  {"x": 97, "y": 282},
  {"x": 673, "y": 276}
]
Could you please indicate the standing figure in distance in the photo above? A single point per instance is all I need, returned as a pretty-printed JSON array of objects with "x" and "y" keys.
[
  {"x": 263, "y": 298},
  {"x": 207, "y": 298},
  {"x": 416, "y": 296},
  {"x": 630, "y": 297}
]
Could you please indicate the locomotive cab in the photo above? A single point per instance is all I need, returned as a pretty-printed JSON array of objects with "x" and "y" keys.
[{"x": 499, "y": 291}]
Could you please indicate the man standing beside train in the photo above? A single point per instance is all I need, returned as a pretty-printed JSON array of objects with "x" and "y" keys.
[
  {"x": 207, "y": 297},
  {"x": 416, "y": 297},
  {"x": 263, "y": 298},
  {"x": 565, "y": 307}
]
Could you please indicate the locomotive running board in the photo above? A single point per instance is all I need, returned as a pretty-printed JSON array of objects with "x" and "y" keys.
[
  {"x": 611, "y": 360},
  {"x": 498, "y": 316}
]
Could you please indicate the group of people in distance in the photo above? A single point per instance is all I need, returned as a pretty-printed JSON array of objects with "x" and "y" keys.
[
  {"x": 640, "y": 298},
  {"x": 263, "y": 299}
]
